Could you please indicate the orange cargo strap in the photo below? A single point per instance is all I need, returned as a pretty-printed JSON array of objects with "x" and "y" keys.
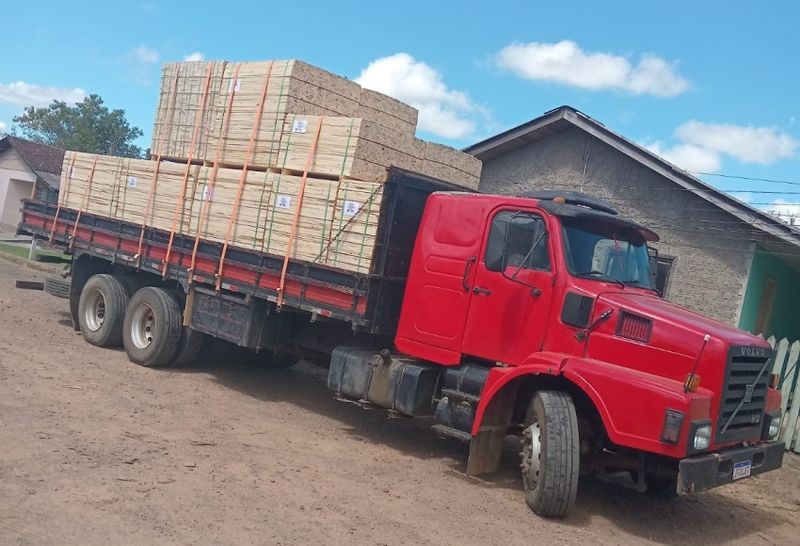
[
  {"x": 296, "y": 220},
  {"x": 150, "y": 202},
  {"x": 213, "y": 178},
  {"x": 84, "y": 202},
  {"x": 150, "y": 205},
  {"x": 65, "y": 195},
  {"x": 243, "y": 176},
  {"x": 179, "y": 204}
]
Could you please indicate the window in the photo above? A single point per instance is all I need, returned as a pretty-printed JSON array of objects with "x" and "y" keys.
[
  {"x": 606, "y": 251},
  {"x": 517, "y": 240},
  {"x": 664, "y": 265}
]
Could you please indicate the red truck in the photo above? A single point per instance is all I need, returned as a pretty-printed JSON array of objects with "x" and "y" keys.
[{"x": 490, "y": 316}]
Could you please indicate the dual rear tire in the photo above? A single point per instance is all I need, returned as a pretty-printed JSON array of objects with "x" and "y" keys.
[
  {"x": 148, "y": 323},
  {"x": 152, "y": 329}
]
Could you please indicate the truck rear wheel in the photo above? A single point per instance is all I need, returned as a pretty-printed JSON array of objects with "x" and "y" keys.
[
  {"x": 550, "y": 454},
  {"x": 189, "y": 348},
  {"x": 101, "y": 310},
  {"x": 151, "y": 332}
]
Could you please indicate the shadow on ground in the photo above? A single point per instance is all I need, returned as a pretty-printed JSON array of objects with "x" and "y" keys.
[{"x": 701, "y": 519}]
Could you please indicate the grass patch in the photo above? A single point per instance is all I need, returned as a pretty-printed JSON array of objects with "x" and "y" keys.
[{"x": 21, "y": 251}]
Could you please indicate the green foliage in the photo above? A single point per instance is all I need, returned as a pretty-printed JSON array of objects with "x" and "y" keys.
[{"x": 88, "y": 126}]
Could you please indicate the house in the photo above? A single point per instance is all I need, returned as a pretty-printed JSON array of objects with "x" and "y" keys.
[
  {"x": 27, "y": 169},
  {"x": 717, "y": 255}
]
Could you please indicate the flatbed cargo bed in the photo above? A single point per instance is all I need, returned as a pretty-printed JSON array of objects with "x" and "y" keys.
[{"x": 370, "y": 302}]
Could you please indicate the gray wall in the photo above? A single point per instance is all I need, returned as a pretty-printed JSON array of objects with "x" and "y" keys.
[{"x": 712, "y": 248}]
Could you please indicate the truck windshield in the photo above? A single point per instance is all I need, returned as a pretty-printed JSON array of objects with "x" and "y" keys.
[{"x": 606, "y": 252}]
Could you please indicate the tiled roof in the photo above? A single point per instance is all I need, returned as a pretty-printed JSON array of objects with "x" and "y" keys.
[{"x": 43, "y": 160}]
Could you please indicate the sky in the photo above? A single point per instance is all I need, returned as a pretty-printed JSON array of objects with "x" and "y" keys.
[{"x": 711, "y": 86}]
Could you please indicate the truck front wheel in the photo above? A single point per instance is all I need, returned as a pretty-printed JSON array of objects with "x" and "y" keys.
[
  {"x": 101, "y": 309},
  {"x": 151, "y": 332},
  {"x": 550, "y": 454}
]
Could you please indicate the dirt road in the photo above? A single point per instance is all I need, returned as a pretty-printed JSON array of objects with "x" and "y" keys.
[{"x": 96, "y": 450}]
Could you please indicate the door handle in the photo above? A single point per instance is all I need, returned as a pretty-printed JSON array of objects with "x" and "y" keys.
[
  {"x": 478, "y": 291},
  {"x": 465, "y": 279},
  {"x": 536, "y": 292}
]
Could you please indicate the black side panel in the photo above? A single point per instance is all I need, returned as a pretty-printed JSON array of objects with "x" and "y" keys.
[
  {"x": 229, "y": 318},
  {"x": 577, "y": 310}
]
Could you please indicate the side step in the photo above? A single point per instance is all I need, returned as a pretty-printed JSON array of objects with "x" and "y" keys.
[{"x": 443, "y": 430}]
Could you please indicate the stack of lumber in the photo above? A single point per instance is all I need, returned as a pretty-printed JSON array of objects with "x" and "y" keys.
[
  {"x": 233, "y": 143},
  {"x": 337, "y": 221},
  {"x": 253, "y": 113}
]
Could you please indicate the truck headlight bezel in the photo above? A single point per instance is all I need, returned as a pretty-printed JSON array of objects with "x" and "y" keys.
[
  {"x": 702, "y": 441},
  {"x": 772, "y": 426}
]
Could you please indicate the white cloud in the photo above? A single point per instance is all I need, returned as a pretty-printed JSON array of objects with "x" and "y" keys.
[
  {"x": 762, "y": 145},
  {"x": 3, "y": 127},
  {"x": 788, "y": 212},
  {"x": 688, "y": 156},
  {"x": 31, "y": 94},
  {"x": 442, "y": 111},
  {"x": 196, "y": 56},
  {"x": 145, "y": 55},
  {"x": 702, "y": 146},
  {"x": 567, "y": 64}
]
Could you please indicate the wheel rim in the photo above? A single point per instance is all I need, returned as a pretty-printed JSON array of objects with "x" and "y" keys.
[
  {"x": 94, "y": 314},
  {"x": 531, "y": 455},
  {"x": 143, "y": 326}
]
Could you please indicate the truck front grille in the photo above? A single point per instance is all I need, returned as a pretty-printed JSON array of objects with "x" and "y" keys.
[{"x": 744, "y": 386}]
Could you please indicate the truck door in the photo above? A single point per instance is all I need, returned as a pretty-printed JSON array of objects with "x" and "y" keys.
[
  {"x": 438, "y": 290},
  {"x": 512, "y": 289}
]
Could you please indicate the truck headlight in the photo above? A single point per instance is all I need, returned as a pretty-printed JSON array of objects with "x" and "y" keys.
[
  {"x": 771, "y": 426},
  {"x": 774, "y": 427},
  {"x": 702, "y": 438}
]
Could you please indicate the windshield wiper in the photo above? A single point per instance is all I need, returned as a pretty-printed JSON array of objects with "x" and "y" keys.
[
  {"x": 638, "y": 284},
  {"x": 600, "y": 275}
]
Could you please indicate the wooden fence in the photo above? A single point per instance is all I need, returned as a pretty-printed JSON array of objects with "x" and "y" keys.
[{"x": 785, "y": 365}]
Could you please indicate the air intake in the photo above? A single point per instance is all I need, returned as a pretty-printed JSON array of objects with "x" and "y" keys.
[
  {"x": 634, "y": 327},
  {"x": 576, "y": 310}
]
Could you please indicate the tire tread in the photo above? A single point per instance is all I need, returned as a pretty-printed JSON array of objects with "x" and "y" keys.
[{"x": 558, "y": 479}]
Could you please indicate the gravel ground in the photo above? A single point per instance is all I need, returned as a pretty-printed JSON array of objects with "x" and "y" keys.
[{"x": 96, "y": 450}]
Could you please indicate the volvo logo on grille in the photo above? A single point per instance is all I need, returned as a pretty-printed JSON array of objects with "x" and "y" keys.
[{"x": 753, "y": 352}]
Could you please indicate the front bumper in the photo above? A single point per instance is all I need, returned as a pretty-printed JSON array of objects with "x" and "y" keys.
[{"x": 706, "y": 471}]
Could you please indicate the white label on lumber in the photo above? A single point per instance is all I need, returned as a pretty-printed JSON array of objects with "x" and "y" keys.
[
  {"x": 283, "y": 201},
  {"x": 131, "y": 181},
  {"x": 300, "y": 126},
  {"x": 235, "y": 86},
  {"x": 206, "y": 194},
  {"x": 351, "y": 208}
]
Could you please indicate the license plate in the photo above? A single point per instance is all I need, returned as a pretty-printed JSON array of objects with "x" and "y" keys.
[{"x": 742, "y": 469}]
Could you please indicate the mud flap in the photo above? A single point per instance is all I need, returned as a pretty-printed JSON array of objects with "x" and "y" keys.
[{"x": 486, "y": 447}]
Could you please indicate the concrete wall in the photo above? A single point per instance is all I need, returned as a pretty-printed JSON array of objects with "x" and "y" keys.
[
  {"x": 712, "y": 248},
  {"x": 16, "y": 182}
]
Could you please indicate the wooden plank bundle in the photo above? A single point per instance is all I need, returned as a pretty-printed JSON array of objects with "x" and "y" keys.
[
  {"x": 231, "y": 142},
  {"x": 252, "y": 113},
  {"x": 338, "y": 219}
]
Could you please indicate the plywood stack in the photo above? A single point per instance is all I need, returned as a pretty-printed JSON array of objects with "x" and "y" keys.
[
  {"x": 446, "y": 163},
  {"x": 251, "y": 113},
  {"x": 337, "y": 224},
  {"x": 232, "y": 142}
]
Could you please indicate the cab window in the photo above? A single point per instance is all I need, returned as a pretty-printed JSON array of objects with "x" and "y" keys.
[{"x": 517, "y": 240}]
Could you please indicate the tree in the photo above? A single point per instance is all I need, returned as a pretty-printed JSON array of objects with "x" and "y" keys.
[{"x": 88, "y": 126}]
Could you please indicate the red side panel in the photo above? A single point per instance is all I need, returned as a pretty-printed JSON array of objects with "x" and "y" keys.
[{"x": 439, "y": 284}]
